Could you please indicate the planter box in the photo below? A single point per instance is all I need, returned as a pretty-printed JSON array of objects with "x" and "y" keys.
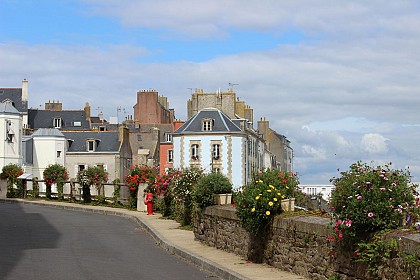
[
  {"x": 288, "y": 204},
  {"x": 221, "y": 199}
]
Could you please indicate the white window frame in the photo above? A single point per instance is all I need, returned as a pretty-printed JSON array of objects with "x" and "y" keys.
[
  {"x": 215, "y": 151},
  {"x": 195, "y": 151},
  {"x": 207, "y": 124},
  {"x": 57, "y": 122},
  {"x": 170, "y": 156},
  {"x": 168, "y": 137}
]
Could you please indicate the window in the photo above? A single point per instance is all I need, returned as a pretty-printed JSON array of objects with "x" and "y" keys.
[
  {"x": 207, "y": 125},
  {"x": 58, "y": 154},
  {"x": 168, "y": 137},
  {"x": 170, "y": 156},
  {"x": 102, "y": 128},
  {"x": 9, "y": 131},
  {"x": 103, "y": 166},
  {"x": 81, "y": 167},
  {"x": 216, "y": 151},
  {"x": 91, "y": 145},
  {"x": 216, "y": 170},
  {"x": 57, "y": 122},
  {"x": 194, "y": 151},
  {"x": 138, "y": 137}
]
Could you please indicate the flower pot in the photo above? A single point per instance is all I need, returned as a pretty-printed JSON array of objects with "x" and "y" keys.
[
  {"x": 228, "y": 198},
  {"x": 219, "y": 199},
  {"x": 288, "y": 204}
]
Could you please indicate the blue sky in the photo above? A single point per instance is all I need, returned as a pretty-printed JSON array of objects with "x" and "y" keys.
[
  {"x": 338, "y": 78},
  {"x": 74, "y": 23}
]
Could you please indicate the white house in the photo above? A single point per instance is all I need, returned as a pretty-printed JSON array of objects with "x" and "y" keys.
[
  {"x": 44, "y": 147},
  {"x": 314, "y": 190},
  {"x": 212, "y": 141},
  {"x": 11, "y": 136}
]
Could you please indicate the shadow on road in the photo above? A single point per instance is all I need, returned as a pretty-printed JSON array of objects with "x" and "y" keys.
[{"x": 20, "y": 231}]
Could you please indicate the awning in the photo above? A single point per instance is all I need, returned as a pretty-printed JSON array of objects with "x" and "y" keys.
[{"x": 25, "y": 176}]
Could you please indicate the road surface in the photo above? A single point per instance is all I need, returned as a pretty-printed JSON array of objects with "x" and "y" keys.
[{"x": 41, "y": 243}]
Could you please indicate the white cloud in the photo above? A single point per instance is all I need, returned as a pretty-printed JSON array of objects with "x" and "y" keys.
[
  {"x": 343, "y": 97},
  {"x": 374, "y": 143}
]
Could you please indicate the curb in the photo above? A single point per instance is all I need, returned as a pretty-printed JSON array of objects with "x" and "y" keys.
[{"x": 200, "y": 262}]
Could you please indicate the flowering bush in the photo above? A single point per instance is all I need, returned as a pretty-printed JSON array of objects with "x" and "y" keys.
[
  {"x": 368, "y": 199},
  {"x": 96, "y": 176},
  {"x": 55, "y": 174},
  {"x": 180, "y": 194},
  {"x": 11, "y": 172},
  {"x": 140, "y": 174},
  {"x": 184, "y": 183},
  {"x": 163, "y": 181},
  {"x": 260, "y": 200}
]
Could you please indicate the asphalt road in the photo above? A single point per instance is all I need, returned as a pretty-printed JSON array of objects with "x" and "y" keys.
[{"x": 41, "y": 243}]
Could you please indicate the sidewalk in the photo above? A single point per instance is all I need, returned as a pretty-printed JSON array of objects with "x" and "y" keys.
[{"x": 181, "y": 243}]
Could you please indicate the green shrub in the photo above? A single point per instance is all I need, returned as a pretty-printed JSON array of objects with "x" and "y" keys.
[{"x": 209, "y": 184}]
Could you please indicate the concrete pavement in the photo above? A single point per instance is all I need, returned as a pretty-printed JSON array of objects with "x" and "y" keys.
[{"x": 180, "y": 242}]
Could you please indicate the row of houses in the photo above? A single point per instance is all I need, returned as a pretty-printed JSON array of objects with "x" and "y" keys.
[{"x": 218, "y": 136}]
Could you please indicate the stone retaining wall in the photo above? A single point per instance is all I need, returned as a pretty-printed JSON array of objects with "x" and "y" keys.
[{"x": 297, "y": 244}]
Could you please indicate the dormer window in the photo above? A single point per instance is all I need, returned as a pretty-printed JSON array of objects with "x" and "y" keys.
[
  {"x": 168, "y": 137},
  {"x": 57, "y": 122},
  {"x": 91, "y": 145},
  {"x": 207, "y": 124}
]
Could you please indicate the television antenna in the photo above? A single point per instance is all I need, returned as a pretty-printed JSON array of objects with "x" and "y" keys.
[{"x": 231, "y": 85}]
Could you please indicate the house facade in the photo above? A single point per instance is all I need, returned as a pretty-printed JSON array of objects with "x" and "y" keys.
[
  {"x": 108, "y": 149},
  {"x": 212, "y": 141}
]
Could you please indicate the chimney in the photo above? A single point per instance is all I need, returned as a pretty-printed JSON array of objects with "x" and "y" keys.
[
  {"x": 25, "y": 90},
  {"x": 87, "y": 110},
  {"x": 101, "y": 116},
  {"x": 123, "y": 133}
]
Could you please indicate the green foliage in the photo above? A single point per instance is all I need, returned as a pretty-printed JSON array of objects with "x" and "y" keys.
[
  {"x": 97, "y": 176},
  {"x": 11, "y": 172},
  {"x": 55, "y": 174},
  {"x": 260, "y": 200},
  {"x": 368, "y": 199},
  {"x": 35, "y": 187},
  {"x": 208, "y": 185},
  {"x": 83, "y": 179},
  {"x": 116, "y": 193}
]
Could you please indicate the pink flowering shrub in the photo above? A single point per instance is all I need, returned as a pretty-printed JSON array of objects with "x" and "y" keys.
[{"x": 369, "y": 199}]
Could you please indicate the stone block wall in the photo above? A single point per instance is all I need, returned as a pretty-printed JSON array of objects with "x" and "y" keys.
[{"x": 297, "y": 244}]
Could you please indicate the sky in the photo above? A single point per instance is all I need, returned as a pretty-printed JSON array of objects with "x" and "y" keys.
[{"x": 339, "y": 79}]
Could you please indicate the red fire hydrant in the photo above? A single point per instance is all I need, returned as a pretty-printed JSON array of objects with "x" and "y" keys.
[{"x": 149, "y": 202}]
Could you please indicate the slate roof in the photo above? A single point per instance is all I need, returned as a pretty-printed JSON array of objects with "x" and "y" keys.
[
  {"x": 53, "y": 132},
  {"x": 15, "y": 95},
  {"x": 70, "y": 119},
  {"x": 7, "y": 108},
  {"x": 222, "y": 123},
  {"x": 107, "y": 141}
]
